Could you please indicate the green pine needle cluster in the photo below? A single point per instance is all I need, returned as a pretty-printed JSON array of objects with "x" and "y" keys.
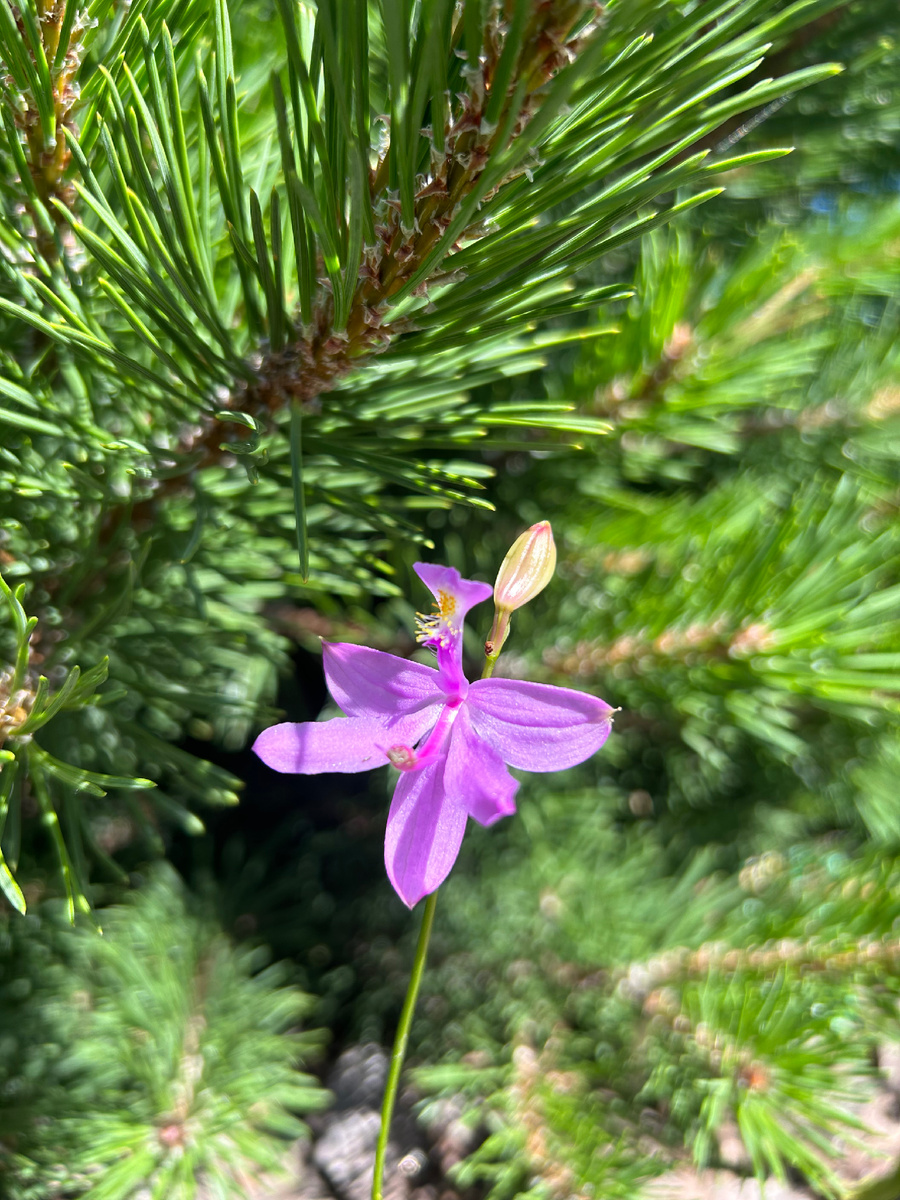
[
  {"x": 737, "y": 583},
  {"x": 150, "y": 1059}
]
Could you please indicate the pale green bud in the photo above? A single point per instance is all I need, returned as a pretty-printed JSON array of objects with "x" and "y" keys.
[{"x": 526, "y": 570}]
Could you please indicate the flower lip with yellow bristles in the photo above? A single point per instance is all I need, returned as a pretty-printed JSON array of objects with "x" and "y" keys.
[{"x": 442, "y": 630}]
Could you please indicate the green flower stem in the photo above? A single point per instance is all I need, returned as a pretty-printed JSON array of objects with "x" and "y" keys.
[
  {"x": 489, "y": 663},
  {"x": 399, "y": 1051},
  {"x": 406, "y": 1016}
]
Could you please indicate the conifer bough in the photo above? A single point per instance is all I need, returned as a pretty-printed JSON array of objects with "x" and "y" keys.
[{"x": 488, "y": 117}]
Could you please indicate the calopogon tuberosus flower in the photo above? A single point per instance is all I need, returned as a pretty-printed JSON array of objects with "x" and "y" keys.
[{"x": 452, "y": 741}]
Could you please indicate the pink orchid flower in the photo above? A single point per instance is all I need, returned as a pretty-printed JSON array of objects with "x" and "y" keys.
[{"x": 451, "y": 740}]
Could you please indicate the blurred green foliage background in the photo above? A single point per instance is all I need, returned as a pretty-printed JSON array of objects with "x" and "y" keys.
[{"x": 694, "y": 932}]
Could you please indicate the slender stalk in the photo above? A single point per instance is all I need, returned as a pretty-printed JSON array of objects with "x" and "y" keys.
[
  {"x": 490, "y": 662},
  {"x": 399, "y": 1051},
  {"x": 406, "y": 1016}
]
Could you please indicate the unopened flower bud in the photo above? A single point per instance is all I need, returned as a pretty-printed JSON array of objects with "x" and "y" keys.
[{"x": 526, "y": 570}]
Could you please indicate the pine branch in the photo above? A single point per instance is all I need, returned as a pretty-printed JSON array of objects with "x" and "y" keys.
[
  {"x": 42, "y": 46},
  {"x": 477, "y": 157},
  {"x": 333, "y": 346}
]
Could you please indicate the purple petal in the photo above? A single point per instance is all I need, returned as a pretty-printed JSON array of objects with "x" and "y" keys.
[
  {"x": 370, "y": 683},
  {"x": 343, "y": 744},
  {"x": 309, "y": 747},
  {"x": 476, "y": 775},
  {"x": 424, "y": 831},
  {"x": 535, "y": 726}
]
